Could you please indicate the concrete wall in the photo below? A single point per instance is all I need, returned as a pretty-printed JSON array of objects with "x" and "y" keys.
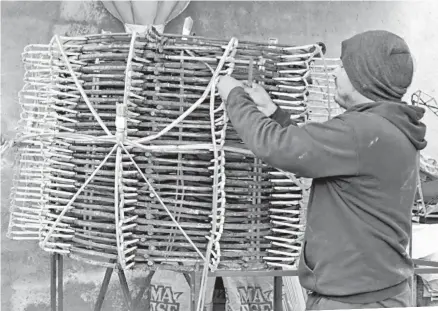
[
  {"x": 25, "y": 274},
  {"x": 303, "y": 22},
  {"x": 25, "y": 269}
]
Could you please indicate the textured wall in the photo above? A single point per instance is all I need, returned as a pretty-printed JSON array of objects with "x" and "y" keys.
[
  {"x": 303, "y": 22},
  {"x": 25, "y": 274},
  {"x": 25, "y": 269}
]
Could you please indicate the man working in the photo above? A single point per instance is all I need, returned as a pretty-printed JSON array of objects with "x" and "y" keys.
[{"x": 364, "y": 168}]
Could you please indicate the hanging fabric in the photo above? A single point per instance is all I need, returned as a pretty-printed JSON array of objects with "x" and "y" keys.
[{"x": 140, "y": 15}]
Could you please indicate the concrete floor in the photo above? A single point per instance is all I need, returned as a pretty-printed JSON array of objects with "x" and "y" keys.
[{"x": 25, "y": 269}]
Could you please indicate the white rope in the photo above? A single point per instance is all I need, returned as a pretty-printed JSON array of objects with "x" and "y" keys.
[
  {"x": 162, "y": 203},
  {"x": 198, "y": 102},
  {"x": 138, "y": 143},
  {"x": 79, "y": 86}
]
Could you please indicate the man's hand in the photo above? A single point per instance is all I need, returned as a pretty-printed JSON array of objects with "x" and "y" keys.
[
  {"x": 225, "y": 85},
  {"x": 261, "y": 99}
]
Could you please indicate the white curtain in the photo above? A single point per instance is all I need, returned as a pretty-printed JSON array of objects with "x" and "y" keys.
[{"x": 139, "y": 15}]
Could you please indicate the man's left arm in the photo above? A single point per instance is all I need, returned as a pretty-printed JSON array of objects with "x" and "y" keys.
[
  {"x": 313, "y": 151},
  {"x": 283, "y": 117}
]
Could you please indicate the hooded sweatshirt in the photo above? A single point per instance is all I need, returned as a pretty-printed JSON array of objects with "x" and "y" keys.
[{"x": 364, "y": 166}]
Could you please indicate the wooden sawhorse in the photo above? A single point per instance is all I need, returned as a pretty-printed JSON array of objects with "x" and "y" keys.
[{"x": 56, "y": 284}]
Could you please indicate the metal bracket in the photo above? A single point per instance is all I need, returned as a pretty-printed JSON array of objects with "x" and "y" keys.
[
  {"x": 272, "y": 42},
  {"x": 187, "y": 27}
]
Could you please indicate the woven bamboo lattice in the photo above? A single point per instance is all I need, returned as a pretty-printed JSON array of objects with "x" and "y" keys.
[
  {"x": 428, "y": 172},
  {"x": 428, "y": 166},
  {"x": 320, "y": 103},
  {"x": 126, "y": 154}
]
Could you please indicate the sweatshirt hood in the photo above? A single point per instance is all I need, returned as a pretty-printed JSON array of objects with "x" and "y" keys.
[{"x": 405, "y": 117}]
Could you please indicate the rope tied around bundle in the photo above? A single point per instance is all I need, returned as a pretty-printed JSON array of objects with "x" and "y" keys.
[
  {"x": 120, "y": 139},
  {"x": 64, "y": 79}
]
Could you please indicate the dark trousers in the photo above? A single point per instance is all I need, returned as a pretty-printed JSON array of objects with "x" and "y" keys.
[{"x": 318, "y": 302}]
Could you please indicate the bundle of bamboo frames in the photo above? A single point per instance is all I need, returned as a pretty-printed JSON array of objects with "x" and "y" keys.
[{"x": 127, "y": 156}]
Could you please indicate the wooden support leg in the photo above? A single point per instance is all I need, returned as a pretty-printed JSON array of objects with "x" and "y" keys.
[
  {"x": 145, "y": 288},
  {"x": 53, "y": 267},
  {"x": 278, "y": 293},
  {"x": 125, "y": 288},
  {"x": 56, "y": 282},
  {"x": 60, "y": 282},
  {"x": 103, "y": 289},
  {"x": 413, "y": 283},
  {"x": 132, "y": 305},
  {"x": 414, "y": 291},
  {"x": 192, "y": 283},
  {"x": 187, "y": 277}
]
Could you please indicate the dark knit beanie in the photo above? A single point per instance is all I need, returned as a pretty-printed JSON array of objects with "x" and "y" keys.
[{"x": 378, "y": 64}]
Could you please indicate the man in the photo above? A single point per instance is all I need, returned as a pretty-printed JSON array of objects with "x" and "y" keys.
[{"x": 364, "y": 166}]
